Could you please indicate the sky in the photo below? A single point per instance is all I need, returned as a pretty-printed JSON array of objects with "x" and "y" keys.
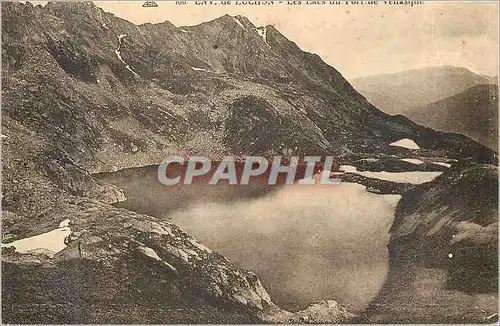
[{"x": 358, "y": 40}]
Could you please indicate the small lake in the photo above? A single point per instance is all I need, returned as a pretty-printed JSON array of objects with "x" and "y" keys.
[{"x": 305, "y": 242}]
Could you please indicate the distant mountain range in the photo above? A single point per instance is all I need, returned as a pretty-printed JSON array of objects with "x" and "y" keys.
[
  {"x": 473, "y": 112},
  {"x": 444, "y": 98}
]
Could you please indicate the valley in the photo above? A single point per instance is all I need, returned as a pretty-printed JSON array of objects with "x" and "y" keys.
[
  {"x": 92, "y": 103},
  {"x": 286, "y": 234}
]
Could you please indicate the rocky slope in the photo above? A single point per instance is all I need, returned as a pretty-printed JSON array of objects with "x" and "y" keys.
[
  {"x": 84, "y": 91},
  {"x": 444, "y": 252},
  {"x": 473, "y": 112},
  {"x": 133, "y": 268},
  {"x": 129, "y": 269}
]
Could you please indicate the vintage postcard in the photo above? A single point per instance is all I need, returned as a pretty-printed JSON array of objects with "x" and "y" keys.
[{"x": 249, "y": 162}]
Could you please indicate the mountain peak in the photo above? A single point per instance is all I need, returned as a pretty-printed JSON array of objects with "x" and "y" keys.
[
  {"x": 72, "y": 6},
  {"x": 222, "y": 65}
]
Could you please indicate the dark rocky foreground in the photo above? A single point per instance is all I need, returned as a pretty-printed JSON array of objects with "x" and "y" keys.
[
  {"x": 71, "y": 107},
  {"x": 444, "y": 252},
  {"x": 124, "y": 267}
]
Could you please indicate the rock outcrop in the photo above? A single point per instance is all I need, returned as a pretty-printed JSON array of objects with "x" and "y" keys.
[
  {"x": 132, "y": 264},
  {"x": 444, "y": 252}
]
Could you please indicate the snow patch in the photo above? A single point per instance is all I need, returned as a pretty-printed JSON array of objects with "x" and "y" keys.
[
  {"x": 183, "y": 30},
  {"x": 239, "y": 23},
  {"x": 50, "y": 242},
  {"x": 199, "y": 69},
  {"x": 348, "y": 168},
  {"x": 448, "y": 165},
  {"x": 413, "y": 160},
  {"x": 406, "y": 143},
  {"x": 119, "y": 55},
  {"x": 64, "y": 223},
  {"x": 413, "y": 177},
  {"x": 262, "y": 31}
]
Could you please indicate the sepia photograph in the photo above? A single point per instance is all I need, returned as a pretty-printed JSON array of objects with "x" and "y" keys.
[{"x": 249, "y": 162}]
